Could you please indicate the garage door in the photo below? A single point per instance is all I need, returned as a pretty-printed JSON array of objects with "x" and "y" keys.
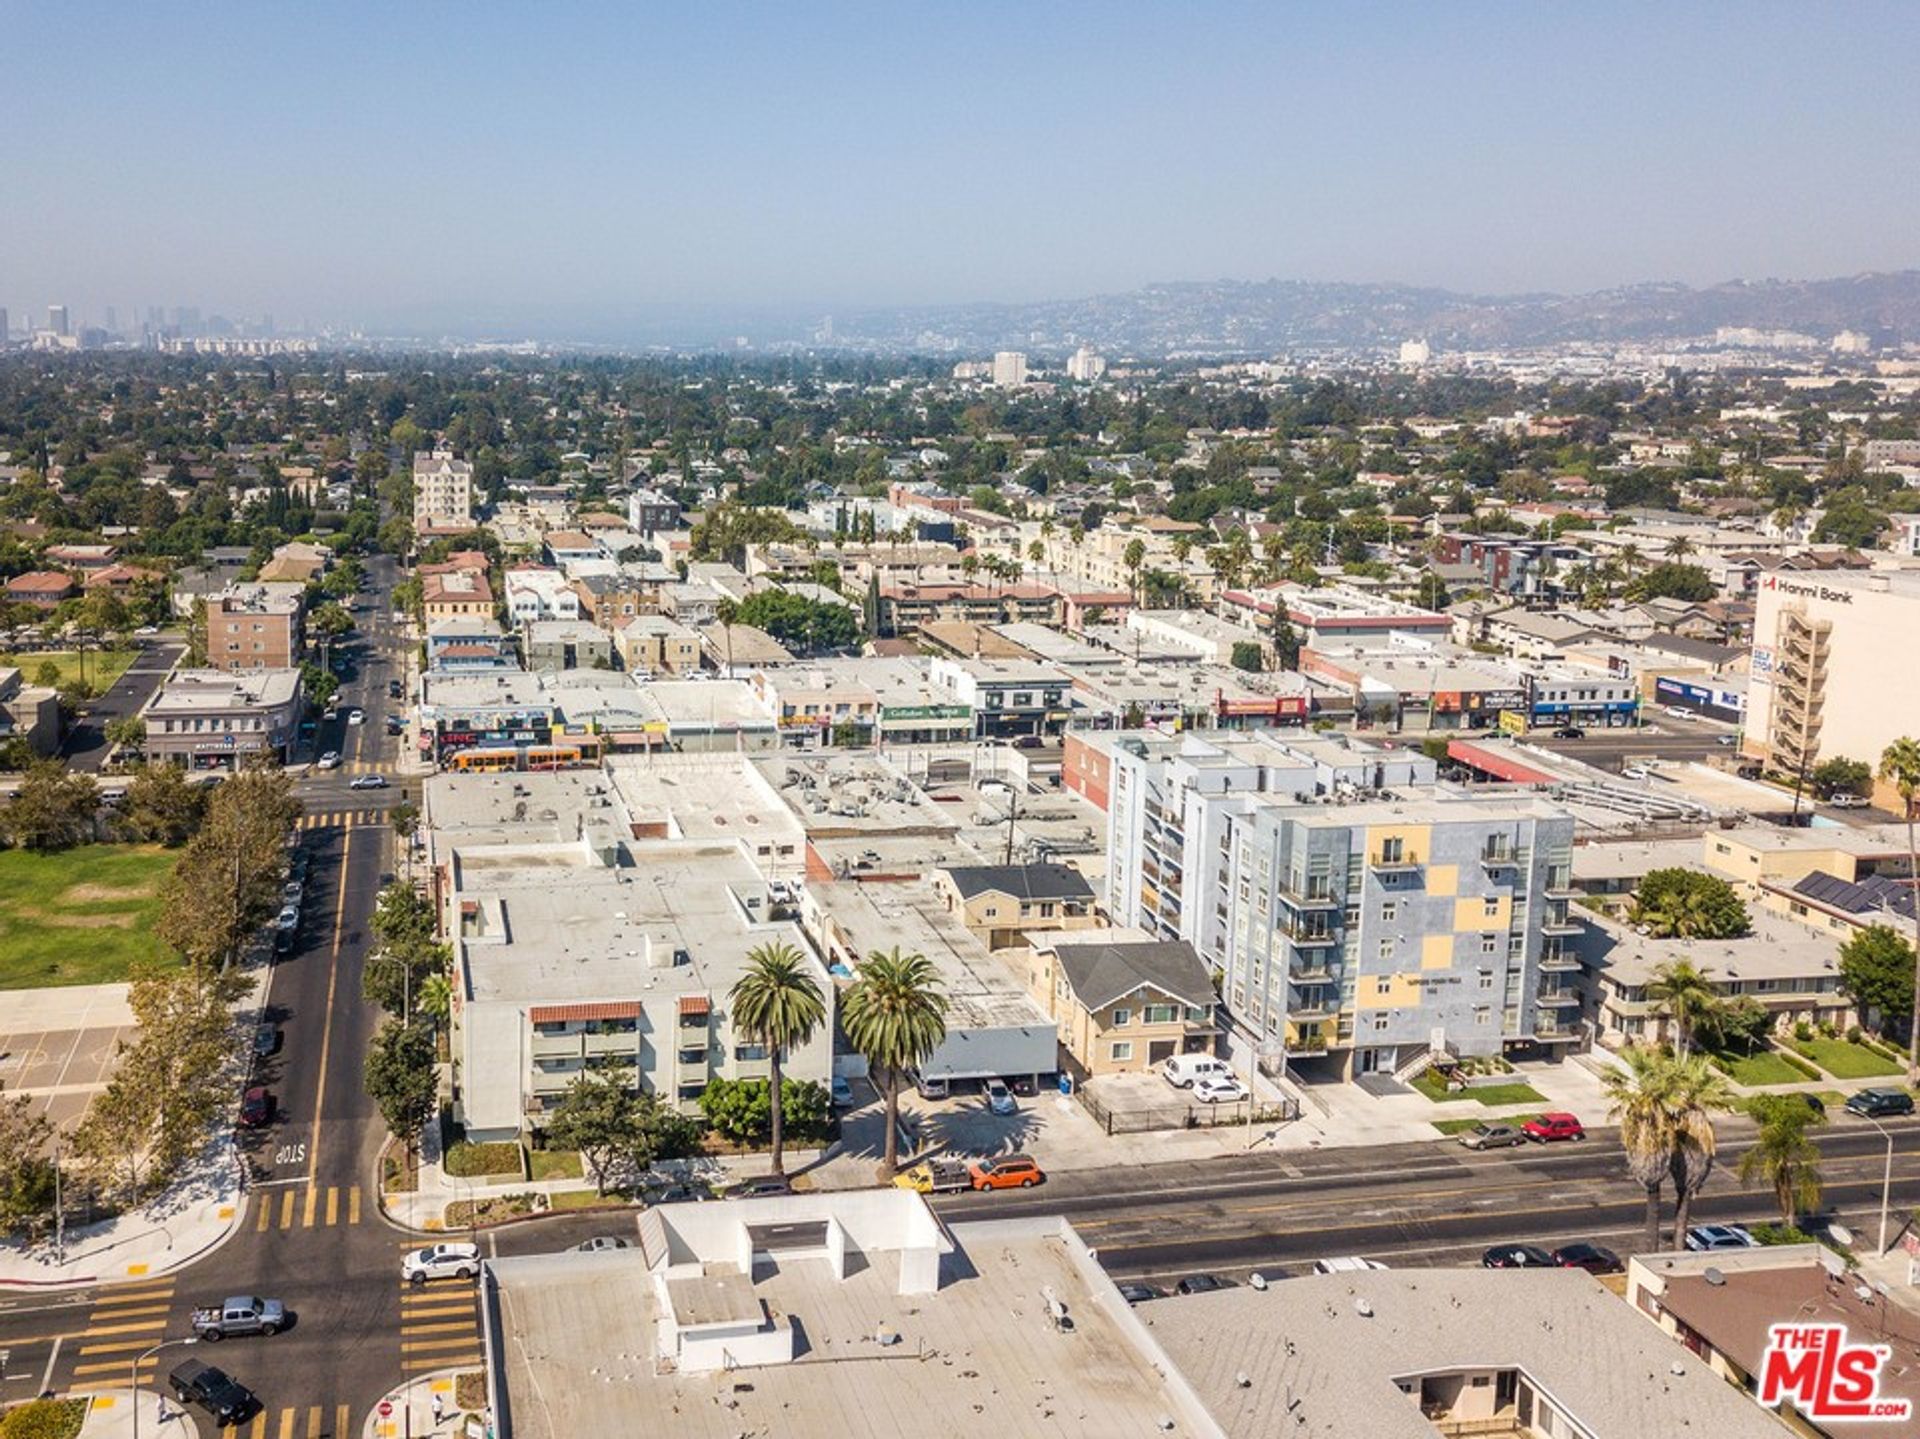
[{"x": 1160, "y": 1049}]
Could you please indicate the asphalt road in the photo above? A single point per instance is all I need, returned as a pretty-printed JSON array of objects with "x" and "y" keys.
[{"x": 86, "y": 744}]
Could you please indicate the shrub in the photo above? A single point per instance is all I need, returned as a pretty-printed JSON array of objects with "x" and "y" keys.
[
  {"x": 44, "y": 1419},
  {"x": 1802, "y": 1030},
  {"x": 1853, "y": 1034}
]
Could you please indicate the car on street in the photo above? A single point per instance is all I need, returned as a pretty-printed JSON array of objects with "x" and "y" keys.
[
  {"x": 1877, "y": 1103},
  {"x": 330, "y": 760},
  {"x": 1726, "y": 739},
  {"x": 292, "y": 892},
  {"x": 936, "y": 1176},
  {"x": 1594, "y": 1258},
  {"x": 765, "y": 1186},
  {"x": 1849, "y": 801},
  {"x": 256, "y": 1108},
  {"x": 356, "y": 716},
  {"x": 1548, "y": 1128},
  {"x": 224, "y": 1398},
  {"x": 1493, "y": 1136},
  {"x": 393, "y": 689},
  {"x": 1217, "y": 1089},
  {"x": 840, "y": 1092},
  {"x": 1675, "y": 712},
  {"x": 367, "y": 781},
  {"x": 685, "y": 1192},
  {"x": 1708, "y": 1237},
  {"x": 266, "y": 1039},
  {"x": 1009, "y": 1171},
  {"x": 440, "y": 1261},
  {"x": 1137, "y": 1293},
  {"x": 1517, "y": 1256},
  {"x": 1202, "y": 1284},
  {"x": 288, "y": 920},
  {"x": 1569, "y": 731},
  {"x": 1000, "y": 1098},
  {"x": 600, "y": 1243},
  {"x": 242, "y": 1314}
]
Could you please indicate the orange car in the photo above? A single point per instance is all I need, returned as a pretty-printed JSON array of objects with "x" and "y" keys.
[{"x": 1012, "y": 1171}]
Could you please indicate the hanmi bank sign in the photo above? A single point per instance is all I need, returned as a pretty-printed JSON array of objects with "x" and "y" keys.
[{"x": 1802, "y": 590}]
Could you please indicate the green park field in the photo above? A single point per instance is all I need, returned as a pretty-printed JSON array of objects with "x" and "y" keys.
[{"x": 82, "y": 917}]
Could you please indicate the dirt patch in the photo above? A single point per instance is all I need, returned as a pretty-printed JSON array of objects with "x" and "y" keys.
[
  {"x": 90, "y": 921},
  {"x": 105, "y": 893}
]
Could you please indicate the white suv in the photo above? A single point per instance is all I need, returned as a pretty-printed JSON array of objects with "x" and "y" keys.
[{"x": 441, "y": 1261}]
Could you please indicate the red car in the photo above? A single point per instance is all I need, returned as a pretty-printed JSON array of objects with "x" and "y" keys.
[
  {"x": 256, "y": 1108},
  {"x": 1549, "y": 1127}
]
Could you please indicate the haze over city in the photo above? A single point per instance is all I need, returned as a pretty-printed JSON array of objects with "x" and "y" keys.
[{"x": 358, "y": 165}]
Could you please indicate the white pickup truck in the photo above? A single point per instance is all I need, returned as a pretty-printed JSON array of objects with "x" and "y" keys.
[{"x": 243, "y": 1314}]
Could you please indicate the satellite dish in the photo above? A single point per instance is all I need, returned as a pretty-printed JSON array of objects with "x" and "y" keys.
[
  {"x": 1834, "y": 1264},
  {"x": 1842, "y": 1235}
]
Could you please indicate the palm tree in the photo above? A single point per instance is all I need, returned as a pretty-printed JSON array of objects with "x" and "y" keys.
[
  {"x": 1783, "y": 1157},
  {"x": 895, "y": 1015},
  {"x": 1679, "y": 547},
  {"x": 1687, "y": 995},
  {"x": 1900, "y": 767},
  {"x": 1641, "y": 1099},
  {"x": 777, "y": 1003},
  {"x": 727, "y": 612},
  {"x": 1699, "y": 1090},
  {"x": 1133, "y": 557}
]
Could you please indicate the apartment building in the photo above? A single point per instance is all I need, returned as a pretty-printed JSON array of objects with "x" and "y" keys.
[
  {"x": 256, "y": 627},
  {"x": 1376, "y": 932},
  {"x": 1122, "y": 1001},
  {"x": 1825, "y": 678},
  {"x": 442, "y": 492},
  {"x": 1002, "y": 903},
  {"x": 654, "y": 644},
  {"x": 536, "y": 593},
  {"x": 455, "y": 595},
  {"x": 907, "y": 605}
]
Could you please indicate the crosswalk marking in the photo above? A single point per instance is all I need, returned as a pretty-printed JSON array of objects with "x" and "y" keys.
[
  {"x": 454, "y": 1326},
  {"x": 140, "y": 1326},
  {"x": 115, "y": 1366},
  {"x": 266, "y": 1214},
  {"x": 460, "y": 1341},
  {"x": 131, "y": 1292},
  {"x": 432, "y": 1311},
  {"x": 420, "y": 1363},
  {"x": 286, "y": 1210},
  {"x": 315, "y": 1424},
  {"x": 319, "y": 1209},
  {"x": 333, "y": 1206},
  {"x": 123, "y": 1346},
  {"x": 128, "y": 1311},
  {"x": 353, "y": 1205},
  {"x": 341, "y": 819},
  {"x": 286, "y": 1424},
  {"x": 313, "y": 1198}
]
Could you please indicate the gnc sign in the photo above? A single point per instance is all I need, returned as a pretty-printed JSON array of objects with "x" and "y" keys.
[{"x": 1813, "y": 1367}]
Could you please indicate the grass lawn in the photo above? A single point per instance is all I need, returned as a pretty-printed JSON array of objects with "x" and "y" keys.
[
  {"x": 1430, "y": 1085},
  {"x": 584, "y": 1199},
  {"x": 555, "y": 1164},
  {"x": 1846, "y": 1061},
  {"x": 104, "y": 667},
  {"x": 1455, "y": 1126},
  {"x": 82, "y": 917},
  {"x": 1764, "y": 1067},
  {"x": 473, "y": 1161}
]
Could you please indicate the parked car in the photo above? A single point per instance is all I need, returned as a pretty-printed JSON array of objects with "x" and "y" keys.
[
  {"x": 1202, "y": 1284},
  {"x": 1569, "y": 731},
  {"x": 930, "y": 1088},
  {"x": 1594, "y": 1258},
  {"x": 1726, "y": 739},
  {"x": 600, "y": 1243},
  {"x": 1636, "y": 771},
  {"x": 292, "y": 892},
  {"x": 685, "y": 1192},
  {"x": 1876, "y": 1103},
  {"x": 288, "y": 919},
  {"x": 1849, "y": 801},
  {"x": 1517, "y": 1256},
  {"x": 840, "y": 1092},
  {"x": 367, "y": 781},
  {"x": 936, "y": 1176},
  {"x": 1216, "y": 1089},
  {"x": 1493, "y": 1136},
  {"x": 765, "y": 1186},
  {"x": 1675, "y": 712},
  {"x": 1709, "y": 1237},
  {"x": 1181, "y": 1070},
  {"x": 356, "y": 716},
  {"x": 393, "y": 689},
  {"x": 204, "y": 1387},
  {"x": 330, "y": 760},
  {"x": 256, "y": 1108},
  {"x": 440, "y": 1261},
  {"x": 1346, "y": 1264},
  {"x": 1547, "y": 1128},
  {"x": 1010, "y": 1171},
  {"x": 266, "y": 1039},
  {"x": 1000, "y": 1098},
  {"x": 243, "y": 1314}
]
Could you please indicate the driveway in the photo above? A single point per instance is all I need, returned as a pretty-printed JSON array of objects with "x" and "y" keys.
[{"x": 86, "y": 745}]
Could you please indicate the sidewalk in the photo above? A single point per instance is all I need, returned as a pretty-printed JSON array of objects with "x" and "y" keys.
[
  {"x": 412, "y": 1416},
  {"x": 199, "y": 1212},
  {"x": 111, "y": 1416}
]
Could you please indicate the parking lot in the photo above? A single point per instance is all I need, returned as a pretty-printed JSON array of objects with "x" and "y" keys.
[{"x": 57, "y": 1045}]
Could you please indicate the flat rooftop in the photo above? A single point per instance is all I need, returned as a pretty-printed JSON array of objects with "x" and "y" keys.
[
  {"x": 580, "y": 1332},
  {"x": 704, "y": 796},
  {"x": 853, "y": 793},
  {"x": 545, "y": 806},
  {"x": 699, "y": 703},
  {"x": 1777, "y": 948}
]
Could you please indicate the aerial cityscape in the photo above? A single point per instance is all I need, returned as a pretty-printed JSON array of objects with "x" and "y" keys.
[{"x": 833, "y": 722}]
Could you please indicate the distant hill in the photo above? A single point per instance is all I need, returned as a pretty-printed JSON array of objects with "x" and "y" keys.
[{"x": 1265, "y": 317}]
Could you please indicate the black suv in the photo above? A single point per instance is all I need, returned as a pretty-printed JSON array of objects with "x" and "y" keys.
[
  {"x": 1874, "y": 1103},
  {"x": 214, "y": 1390}
]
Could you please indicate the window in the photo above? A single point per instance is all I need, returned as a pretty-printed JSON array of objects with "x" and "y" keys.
[
  {"x": 1161, "y": 1013},
  {"x": 1490, "y": 906},
  {"x": 750, "y": 1053},
  {"x": 1488, "y": 943},
  {"x": 1120, "y": 1050},
  {"x": 1380, "y": 1022},
  {"x": 1386, "y": 949},
  {"x": 1390, "y": 911},
  {"x": 1383, "y": 985},
  {"x": 1482, "y": 1013},
  {"x": 1486, "y": 979},
  {"x": 1122, "y": 1017}
]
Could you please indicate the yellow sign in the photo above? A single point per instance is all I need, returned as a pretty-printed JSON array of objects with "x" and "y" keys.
[{"x": 1513, "y": 721}]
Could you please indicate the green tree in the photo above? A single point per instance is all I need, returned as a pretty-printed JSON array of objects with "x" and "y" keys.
[
  {"x": 727, "y": 612},
  {"x": 319, "y": 685},
  {"x": 606, "y": 1122},
  {"x": 226, "y": 884},
  {"x": 26, "y": 1174},
  {"x": 1133, "y": 557},
  {"x": 127, "y": 732},
  {"x": 1699, "y": 1092},
  {"x": 161, "y": 807},
  {"x": 894, "y": 1014},
  {"x": 1685, "y": 995},
  {"x": 1641, "y": 1099},
  {"x": 1673, "y": 581},
  {"x": 777, "y": 1002},
  {"x": 53, "y": 809},
  {"x": 1841, "y": 776},
  {"x": 1783, "y": 1157},
  {"x": 400, "y": 1079},
  {"x": 1686, "y": 904},
  {"x": 1247, "y": 655},
  {"x": 1877, "y": 969},
  {"x": 1900, "y": 767},
  {"x": 404, "y": 819}
]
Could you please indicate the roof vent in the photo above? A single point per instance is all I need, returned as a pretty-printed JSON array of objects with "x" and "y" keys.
[
  {"x": 1714, "y": 1277},
  {"x": 1362, "y": 1307}
]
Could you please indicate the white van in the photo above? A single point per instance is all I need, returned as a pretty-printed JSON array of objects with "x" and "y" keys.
[
  {"x": 1182, "y": 1069},
  {"x": 1346, "y": 1264}
]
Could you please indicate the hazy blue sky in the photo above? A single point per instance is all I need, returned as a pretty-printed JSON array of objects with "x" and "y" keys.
[{"x": 359, "y": 161}]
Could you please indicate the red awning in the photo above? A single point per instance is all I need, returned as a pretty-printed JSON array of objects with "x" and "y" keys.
[
  {"x": 563, "y": 1013},
  {"x": 692, "y": 1004}
]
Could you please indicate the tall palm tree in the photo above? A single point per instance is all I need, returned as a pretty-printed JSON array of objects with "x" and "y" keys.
[
  {"x": 727, "y": 611},
  {"x": 777, "y": 1003},
  {"x": 1686, "y": 994},
  {"x": 896, "y": 1015},
  {"x": 1699, "y": 1090},
  {"x": 1900, "y": 767},
  {"x": 1641, "y": 1099},
  {"x": 1782, "y": 1157}
]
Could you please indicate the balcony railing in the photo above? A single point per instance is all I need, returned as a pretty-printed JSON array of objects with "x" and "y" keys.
[
  {"x": 1562, "y": 924},
  {"x": 1559, "y": 998},
  {"x": 1303, "y": 899},
  {"x": 1390, "y": 862},
  {"x": 1317, "y": 973},
  {"x": 1559, "y": 963},
  {"x": 1306, "y": 936}
]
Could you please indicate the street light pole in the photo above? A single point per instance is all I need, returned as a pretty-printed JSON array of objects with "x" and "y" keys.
[{"x": 133, "y": 1376}]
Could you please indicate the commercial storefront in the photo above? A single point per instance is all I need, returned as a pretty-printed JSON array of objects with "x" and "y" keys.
[{"x": 1713, "y": 701}]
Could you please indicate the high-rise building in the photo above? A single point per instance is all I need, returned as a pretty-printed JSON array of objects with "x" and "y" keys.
[
  {"x": 5, "y": 325},
  {"x": 1085, "y": 366},
  {"x": 113, "y": 321},
  {"x": 57, "y": 319},
  {"x": 442, "y": 492},
  {"x": 1009, "y": 369},
  {"x": 1415, "y": 352}
]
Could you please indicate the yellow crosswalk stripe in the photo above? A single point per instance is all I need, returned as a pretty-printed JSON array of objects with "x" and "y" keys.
[
  {"x": 420, "y": 1363},
  {"x": 120, "y": 1346},
  {"x": 409, "y": 1346},
  {"x": 135, "y": 1291},
  {"x": 314, "y": 1422},
  {"x": 266, "y": 1214},
  {"x": 138, "y": 1327},
  {"x": 286, "y": 1423},
  {"x": 286, "y": 1209},
  {"x": 333, "y": 1209},
  {"x": 306, "y": 1213},
  {"x": 128, "y": 1311},
  {"x": 353, "y": 1205},
  {"x": 342, "y": 1423},
  {"x": 115, "y": 1366},
  {"x": 466, "y": 1325},
  {"x": 433, "y": 1311}
]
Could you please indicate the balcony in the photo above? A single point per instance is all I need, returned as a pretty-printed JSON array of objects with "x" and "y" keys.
[
  {"x": 1500, "y": 856},
  {"x": 1313, "y": 972},
  {"x": 1308, "y": 899},
  {"x": 1308, "y": 937},
  {"x": 1394, "y": 862},
  {"x": 1314, "y": 1011},
  {"x": 554, "y": 1046},
  {"x": 1559, "y": 998},
  {"x": 622, "y": 1044},
  {"x": 1559, "y": 963},
  {"x": 1564, "y": 924}
]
